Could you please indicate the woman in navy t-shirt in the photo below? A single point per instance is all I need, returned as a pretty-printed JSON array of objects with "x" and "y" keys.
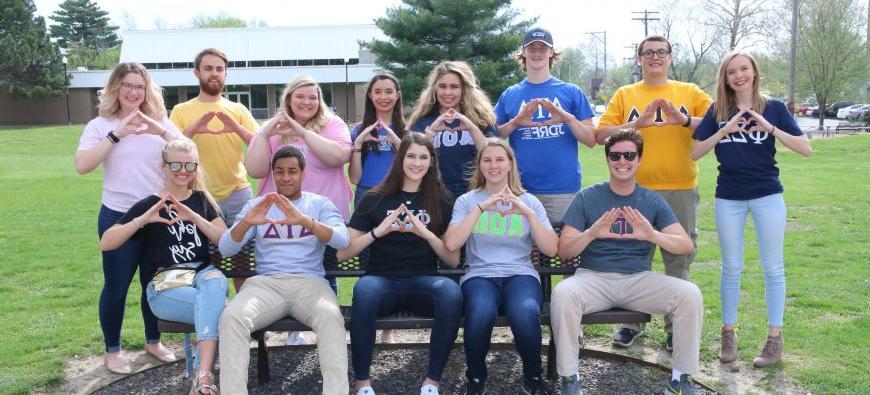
[
  {"x": 401, "y": 221},
  {"x": 743, "y": 126},
  {"x": 458, "y": 116},
  {"x": 376, "y": 138}
]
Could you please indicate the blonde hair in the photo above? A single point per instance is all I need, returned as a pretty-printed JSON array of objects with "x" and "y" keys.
[
  {"x": 477, "y": 179},
  {"x": 323, "y": 114},
  {"x": 474, "y": 103},
  {"x": 726, "y": 103},
  {"x": 109, "y": 105},
  {"x": 186, "y": 146}
]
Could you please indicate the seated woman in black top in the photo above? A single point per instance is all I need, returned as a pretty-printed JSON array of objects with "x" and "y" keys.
[
  {"x": 176, "y": 226},
  {"x": 402, "y": 220}
]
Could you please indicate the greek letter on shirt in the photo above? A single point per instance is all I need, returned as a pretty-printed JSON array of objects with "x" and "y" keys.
[{"x": 181, "y": 252}]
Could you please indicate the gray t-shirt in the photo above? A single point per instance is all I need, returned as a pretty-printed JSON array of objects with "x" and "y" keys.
[
  {"x": 499, "y": 245},
  {"x": 617, "y": 255},
  {"x": 281, "y": 249}
]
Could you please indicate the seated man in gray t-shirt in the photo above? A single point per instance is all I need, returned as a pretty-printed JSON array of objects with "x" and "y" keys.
[
  {"x": 290, "y": 229},
  {"x": 614, "y": 226}
]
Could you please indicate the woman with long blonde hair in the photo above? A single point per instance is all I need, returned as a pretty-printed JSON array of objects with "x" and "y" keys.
[
  {"x": 497, "y": 222},
  {"x": 743, "y": 126},
  {"x": 305, "y": 122},
  {"x": 126, "y": 138},
  {"x": 458, "y": 116},
  {"x": 176, "y": 226}
]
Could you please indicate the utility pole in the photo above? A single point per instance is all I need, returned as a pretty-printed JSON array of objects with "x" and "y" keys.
[
  {"x": 795, "y": 9},
  {"x": 604, "y": 41},
  {"x": 635, "y": 67},
  {"x": 645, "y": 20}
]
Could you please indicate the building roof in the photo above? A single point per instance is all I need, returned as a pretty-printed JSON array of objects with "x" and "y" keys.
[{"x": 247, "y": 44}]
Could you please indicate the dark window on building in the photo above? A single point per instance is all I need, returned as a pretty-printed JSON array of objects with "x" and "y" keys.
[
  {"x": 238, "y": 63},
  {"x": 321, "y": 62},
  {"x": 327, "y": 94},
  {"x": 150, "y": 66},
  {"x": 273, "y": 63},
  {"x": 258, "y": 96},
  {"x": 336, "y": 62},
  {"x": 180, "y": 65},
  {"x": 291, "y": 62},
  {"x": 305, "y": 62},
  {"x": 353, "y": 61},
  {"x": 170, "y": 97},
  {"x": 164, "y": 66},
  {"x": 257, "y": 63}
]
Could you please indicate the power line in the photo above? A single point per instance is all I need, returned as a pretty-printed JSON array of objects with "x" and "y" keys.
[{"x": 645, "y": 20}]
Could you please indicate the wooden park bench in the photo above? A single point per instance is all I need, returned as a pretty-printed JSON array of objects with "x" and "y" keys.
[{"x": 243, "y": 265}]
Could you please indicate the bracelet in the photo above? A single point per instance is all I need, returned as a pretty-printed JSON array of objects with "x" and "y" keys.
[
  {"x": 357, "y": 150},
  {"x": 480, "y": 208},
  {"x": 163, "y": 134},
  {"x": 372, "y": 232},
  {"x": 688, "y": 122},
  {"x": 114, "y": 139},
  {"x": 313, "y": 223},
  {"x": 773, "y": 129}
]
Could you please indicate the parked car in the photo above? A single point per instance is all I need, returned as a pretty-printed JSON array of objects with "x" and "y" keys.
[
  {"x": 806, "y": 107},
  {"x": 858, "y": 113},
  {"x": 844, "y": 112},
  {"x": 831, "y": 111}
]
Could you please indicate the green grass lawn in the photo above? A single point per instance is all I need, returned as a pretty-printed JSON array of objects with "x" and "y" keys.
[{"x": 51, "y": 273}]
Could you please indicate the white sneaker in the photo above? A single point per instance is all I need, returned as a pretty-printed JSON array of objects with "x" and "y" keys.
[
  {"x": 367, "y": 390},
  {"x": 428, "y": 389},
  {"x": 296, "y": 339}
]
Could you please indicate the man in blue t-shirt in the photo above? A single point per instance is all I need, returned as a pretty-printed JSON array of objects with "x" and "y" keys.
[
  {"x": 614, "y": 225},
  {"x": 544, "y": 118}
]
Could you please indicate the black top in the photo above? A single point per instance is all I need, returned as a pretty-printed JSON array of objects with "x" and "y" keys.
[
  {"x": 398, "y": 254},
  {"x": 168, "y": 245}
]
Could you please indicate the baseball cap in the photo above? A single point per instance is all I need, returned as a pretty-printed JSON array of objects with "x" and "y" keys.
[{"x": 538, "y": 34}]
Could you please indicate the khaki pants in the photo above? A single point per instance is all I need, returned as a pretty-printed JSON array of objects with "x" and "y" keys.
[
  {"x": 653, "y": 293},
  {"x": 684, "y": 203},
  {"x": 266, "y": 299},
  {"x": 555, "y": 205}
]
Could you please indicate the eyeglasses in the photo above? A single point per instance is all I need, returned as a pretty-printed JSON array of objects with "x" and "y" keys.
[
  {"x": 190, "y": 167},
  {"x": 648, "y": 54},
  {"x": 629, "y": 156},
  {"x": 131, "y": 87}
]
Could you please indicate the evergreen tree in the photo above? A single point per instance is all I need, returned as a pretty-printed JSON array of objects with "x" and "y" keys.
[
  {"x": 82, "y": 23},
  {"x": 30, "y": 64},
  {"x": 484, "y": 33}
]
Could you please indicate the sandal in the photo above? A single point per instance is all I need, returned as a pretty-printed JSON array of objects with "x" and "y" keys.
[{"x": 203, "y": 381}]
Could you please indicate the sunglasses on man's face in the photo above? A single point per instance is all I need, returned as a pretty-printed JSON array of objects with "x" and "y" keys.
[
  {"x": 629, "y": 156},
  {"x": 190, "y": 167}
]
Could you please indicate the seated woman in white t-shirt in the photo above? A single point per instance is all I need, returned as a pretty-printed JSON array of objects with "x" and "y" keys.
[{"x": 498, "y": 221}]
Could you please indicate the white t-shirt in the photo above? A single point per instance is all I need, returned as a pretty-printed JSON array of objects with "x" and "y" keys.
[{"x": 132, "y": 170}]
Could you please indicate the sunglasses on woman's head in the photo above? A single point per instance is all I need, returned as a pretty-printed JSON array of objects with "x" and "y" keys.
[
  {"x": 629, "y": 156},
  {"x": 176, "y": 166}
]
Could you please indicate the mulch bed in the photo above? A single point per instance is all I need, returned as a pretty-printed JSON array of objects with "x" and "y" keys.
[{"x": 399, "y": 369}]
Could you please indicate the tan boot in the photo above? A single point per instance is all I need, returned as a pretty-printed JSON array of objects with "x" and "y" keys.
[
  {"x": 728, "y": 346},
  {"x": 771, "y": 353}
]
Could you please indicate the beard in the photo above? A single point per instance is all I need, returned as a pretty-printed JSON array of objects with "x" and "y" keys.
[{"x": 213, "y": 89}]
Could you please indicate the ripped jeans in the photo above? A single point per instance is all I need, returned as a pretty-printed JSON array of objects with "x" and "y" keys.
[{"x": 200, "y": 304}]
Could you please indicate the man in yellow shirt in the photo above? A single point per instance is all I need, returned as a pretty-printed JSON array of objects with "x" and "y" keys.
[
  {"x": 220, "y": 128},
  {"x": 665, "y": 112}
]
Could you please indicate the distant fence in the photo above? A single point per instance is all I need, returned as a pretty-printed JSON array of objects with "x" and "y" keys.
[{"x": 840, "y": 129}]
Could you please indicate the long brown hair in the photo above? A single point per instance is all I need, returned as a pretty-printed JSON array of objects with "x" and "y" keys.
[
  {"x": 726, "y": 102},
  {"x": 435, "y": 194},
  {"x": 474, "y": 103},
  {"x": 152, "y": 106},
  {"x": 370, "y": 115},
  {"x": 478, "y": 181}
]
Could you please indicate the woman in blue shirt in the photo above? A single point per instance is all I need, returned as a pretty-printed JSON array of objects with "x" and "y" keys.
[
  {"x": 376, "y": 138},
  {"x": 743, "y": 126}
]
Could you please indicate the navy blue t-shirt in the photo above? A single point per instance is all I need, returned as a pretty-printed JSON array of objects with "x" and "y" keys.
[
  {"x": 456, "y": 153},
  {"x": 617, "y": 255},
  {"x": 747, "y": 163},
  {"x": 375, "y": 164},
  {"x": 546, "y": 155}
]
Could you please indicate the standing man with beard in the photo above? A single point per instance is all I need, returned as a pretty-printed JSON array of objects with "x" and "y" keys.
[
  {"x": 665, "y": 112},
  {"x": 219, "y": 127}
]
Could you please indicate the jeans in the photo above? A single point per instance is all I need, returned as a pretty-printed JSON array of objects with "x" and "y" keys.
[
  {"x": 118, "y": 269},
  {"x": 519, "y": 298},
  {"x": 768, "y": 215},
  {"x": 233, "y": 204},
  {"x": 435, "y": 296},
  {"x": 200, "y": 304}
]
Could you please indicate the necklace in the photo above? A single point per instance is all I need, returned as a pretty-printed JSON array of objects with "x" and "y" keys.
[{"x": 408, "y": 200}]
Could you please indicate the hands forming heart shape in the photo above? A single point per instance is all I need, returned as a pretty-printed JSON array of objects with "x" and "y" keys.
[
  {"x": 526, "y": 115},
  {"x": 228, "y": 124},
  {"x": 661, "y": 112},
  {"x": 504, "y": 203},
  {"x": 450, "y": 120}
]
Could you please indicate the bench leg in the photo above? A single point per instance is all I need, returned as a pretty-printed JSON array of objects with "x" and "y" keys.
[
  {"x": 188, "y": 354},
  {"x": 263, "y": 375},
  {"x": 551, "y": 358}
]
